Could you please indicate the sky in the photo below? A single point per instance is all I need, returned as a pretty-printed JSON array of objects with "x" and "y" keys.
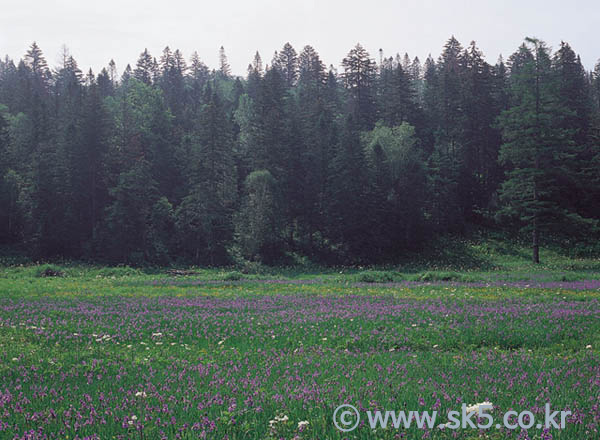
[{"x": 96, "y": 31}]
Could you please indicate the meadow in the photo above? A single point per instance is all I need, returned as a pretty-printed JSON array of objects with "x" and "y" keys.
[{"x": 119, "y": 353}]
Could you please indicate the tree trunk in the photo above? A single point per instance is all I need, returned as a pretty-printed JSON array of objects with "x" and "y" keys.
[
  {"x": 536, "y": 232},
  {"x": 536, "y": 242}
]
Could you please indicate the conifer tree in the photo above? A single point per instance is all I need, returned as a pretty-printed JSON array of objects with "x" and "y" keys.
[
  {"x": 145, "y": 70},
  {"x": 288, "y": 63},
  {"x": 170, "y": 162},
  {"x": 537, "y": 149},
  {"x": 347, "y": 194},
  {"x": 39, "y": 67},
  {"x": 480, "y": 173},
  {"x": 596, "y": 85},
  {"x": 212, "y": 196},
  {"x": 574, "y": 92},
  {"x": 359, "y": 76},
  {"x": 224, "y": 68}
]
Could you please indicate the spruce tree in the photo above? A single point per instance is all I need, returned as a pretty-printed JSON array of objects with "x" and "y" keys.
[
  {"x": 224, "y": 68},
  {"x": 596, "y": 85},
  {"x": 359, "y": 77},
  {"x": 311, "y": 68},
  {"x": 480, "y": 173},
  {"x": 212, "y": 193},
  {"x": 537, "y": 149},
  {"x": 573, "y": 92},
  {"x": 288, "y": 63},
  {"x": 39, "y": 67},
  {"x": 145, "y": 69},
  {"x": 348, "y": 189}
]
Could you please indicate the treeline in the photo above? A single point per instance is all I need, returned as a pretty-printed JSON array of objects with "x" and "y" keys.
[{"x": 174, "y": 162}]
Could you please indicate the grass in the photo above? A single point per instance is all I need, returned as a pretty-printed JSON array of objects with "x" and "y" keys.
[
  {"x": 124, "y": 353},
  {"x": 489, "y": 258}
]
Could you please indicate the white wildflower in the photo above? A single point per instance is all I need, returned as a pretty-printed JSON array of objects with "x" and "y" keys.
[
  {"x": 278, "y": 419},
  {"x": 475, "y": 407}
]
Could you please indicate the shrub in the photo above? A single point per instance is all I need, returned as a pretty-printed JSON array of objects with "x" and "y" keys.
[
  {"x": 440, "y": 276},
  {"x": 49, "y": 270},
  {"x": 233, "y": 276}
]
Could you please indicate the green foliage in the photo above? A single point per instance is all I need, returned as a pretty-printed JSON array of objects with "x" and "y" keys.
[
  {"x": 233, "y": 276},
  {"x": 130, "y": 213},
  {"x": 258, "y": 227},
  {"x": 396, "y": 164},
  {"x": 441, "y": 276},
  {"x": 128, "y": 341},
  {"x": 49, "y": 270},
  {"x": 175, "y": 163},
  {"x": 539, "y": 150},
  {"x": 204, "y": 217}
]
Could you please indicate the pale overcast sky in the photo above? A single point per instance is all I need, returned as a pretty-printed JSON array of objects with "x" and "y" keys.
[{"x": 96, "y": 31}]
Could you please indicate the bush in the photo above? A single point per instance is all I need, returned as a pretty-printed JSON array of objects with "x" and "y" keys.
[
  {"x": 253, "y": 268},
  {"x": 233, "y": 276},
  {"x": 440, "y": 276},
  {"x": 49, "y": 270}
]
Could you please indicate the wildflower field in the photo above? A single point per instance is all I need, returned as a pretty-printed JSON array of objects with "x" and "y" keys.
[{"x": 146, "y": 356}]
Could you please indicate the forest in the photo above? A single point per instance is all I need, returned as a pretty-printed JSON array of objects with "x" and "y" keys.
[{"x": 172, "y": 162}]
